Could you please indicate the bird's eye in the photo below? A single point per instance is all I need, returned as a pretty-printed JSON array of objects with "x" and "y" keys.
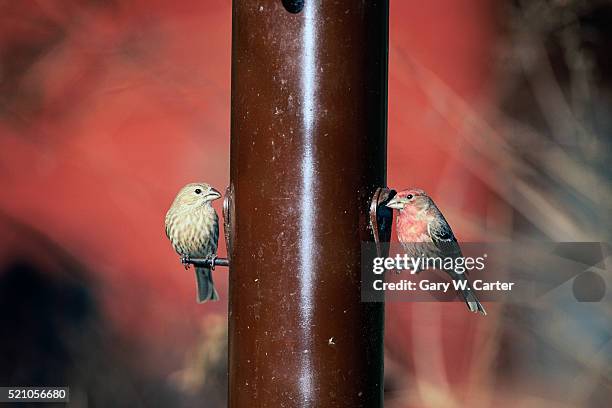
[
  {"x": 409, "y": 197},
  {"x": 198, "y": 191}
]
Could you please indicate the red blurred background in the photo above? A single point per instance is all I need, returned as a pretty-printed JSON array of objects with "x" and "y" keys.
[{"x": 108, "y": 107}]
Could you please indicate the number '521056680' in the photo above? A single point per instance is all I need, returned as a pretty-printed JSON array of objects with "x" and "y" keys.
[{"x": 34, "y": 394}]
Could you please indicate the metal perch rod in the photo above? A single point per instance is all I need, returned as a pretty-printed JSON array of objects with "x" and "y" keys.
[{"x": 208, "y": 262}]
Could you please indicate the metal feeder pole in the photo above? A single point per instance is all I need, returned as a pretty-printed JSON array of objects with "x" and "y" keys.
[{"x": 308, "y": 150}]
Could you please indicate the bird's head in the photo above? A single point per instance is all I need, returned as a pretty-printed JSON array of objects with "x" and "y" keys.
[
  {"x": 196, "y": 194},
  {"x": 413, "y": 199}
]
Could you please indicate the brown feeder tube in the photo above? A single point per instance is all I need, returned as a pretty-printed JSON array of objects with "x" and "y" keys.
[{"x": 308, "y": 150}]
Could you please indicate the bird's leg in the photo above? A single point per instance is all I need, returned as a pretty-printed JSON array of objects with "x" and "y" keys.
[{"x": 185, "y": 261}]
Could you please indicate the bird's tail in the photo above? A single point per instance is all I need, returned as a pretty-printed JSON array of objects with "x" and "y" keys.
[
  {"x": 206, "y": 288},
  {"x": 471, "y": 300}
]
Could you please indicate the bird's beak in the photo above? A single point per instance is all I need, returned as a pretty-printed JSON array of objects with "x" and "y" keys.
[
  {"x": 213, "y": 195},
  {"x": 396, "y": 203}
]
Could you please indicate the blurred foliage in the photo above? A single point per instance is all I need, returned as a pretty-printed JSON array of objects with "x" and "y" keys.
[
  {"x": 54, "y": 333},
  {"x": 555, "y": 98}
]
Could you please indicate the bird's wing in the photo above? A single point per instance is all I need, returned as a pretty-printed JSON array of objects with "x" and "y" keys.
[
  {"x": 440, "y": 231},
  {"x": 215, "y": 234},
  {"x": 167, "y": 224},
  {"x": 443, "y": 238}
]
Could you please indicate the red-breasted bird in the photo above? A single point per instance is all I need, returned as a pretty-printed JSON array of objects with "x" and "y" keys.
[
  {"x": 423, "y": 230},
  {"x": 192, "y": 226}
]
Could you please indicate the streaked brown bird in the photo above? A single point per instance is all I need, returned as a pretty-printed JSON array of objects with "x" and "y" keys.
[{"x": 192, "y": 226}]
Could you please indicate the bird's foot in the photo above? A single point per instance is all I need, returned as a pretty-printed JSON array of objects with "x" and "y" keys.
[
  {"x": 212, "y": 262},
  {"x": 185, "y": 261}
]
